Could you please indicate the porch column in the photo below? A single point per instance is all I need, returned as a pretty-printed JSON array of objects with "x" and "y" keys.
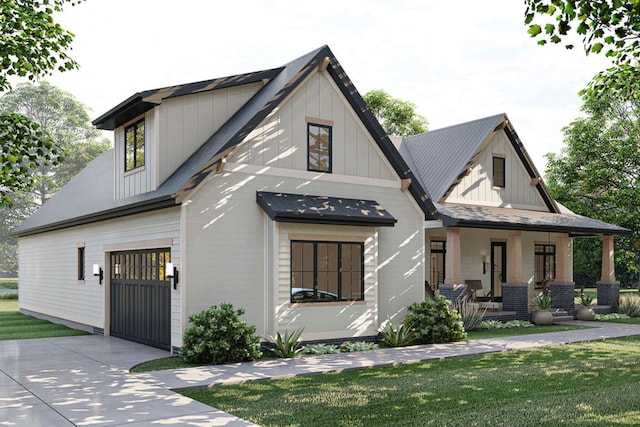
[
  {"x": 563, "y": 287},
  {"x": 608, "y": 287},
  {"x": 453, "y": 285},
  {"x": 515, "y": 295}
]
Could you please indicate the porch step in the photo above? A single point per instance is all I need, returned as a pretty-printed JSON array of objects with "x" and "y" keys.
[{"x": 560, "y": 315}]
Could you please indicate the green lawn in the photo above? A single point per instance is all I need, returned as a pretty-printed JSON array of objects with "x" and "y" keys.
[
  {"x": 14, "y": 325},
  {"x": 11, "y": 283},
  {"x": 586, "y": 384}
]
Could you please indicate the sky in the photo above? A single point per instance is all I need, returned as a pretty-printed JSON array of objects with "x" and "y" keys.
[{"x": 456, "y": 61}]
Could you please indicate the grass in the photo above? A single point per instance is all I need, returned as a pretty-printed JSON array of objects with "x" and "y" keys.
[
  {"x": 14, "y": 325},
  {"x": 8, "y": 283},
  {"x": 586, "y": 384}
]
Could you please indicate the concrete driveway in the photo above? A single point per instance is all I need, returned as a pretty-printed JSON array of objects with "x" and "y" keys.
[{"x": 84, "y": 381}]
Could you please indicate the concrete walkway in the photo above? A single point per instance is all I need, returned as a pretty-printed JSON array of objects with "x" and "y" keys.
[{"x": 85, "y": 381}]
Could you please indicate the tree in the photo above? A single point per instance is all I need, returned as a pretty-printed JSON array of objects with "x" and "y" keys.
[
  {"x": 32, "y": 44},
  {"x": 610, "y": 27},
  {"x": 598, "y": 174},
  {"x": 396, "y": 116},
  {"x": 67, "y": 124}
]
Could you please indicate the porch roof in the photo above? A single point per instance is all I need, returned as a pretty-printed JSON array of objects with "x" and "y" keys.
[
  {"x": 286, "y": 207},
  {"x": 526, "y": 220}
]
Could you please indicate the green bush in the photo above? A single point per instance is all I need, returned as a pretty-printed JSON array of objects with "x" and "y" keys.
[
  {"x": 496, "y": 324},
  {"x": 471, "y": 314},
  {"x": 433, "y": 322},
  {"x": 630, "y": 306},
  {"x": 9, "y": 295},
  {"x": 9, "y": 283},
  {"x": 289, "y": 345},
  {"x": 219, "y": 335},
  {"x": 319, "y": 349},
  {"x": 401, "y": 336},
  {"x": 347, "y": 347}
]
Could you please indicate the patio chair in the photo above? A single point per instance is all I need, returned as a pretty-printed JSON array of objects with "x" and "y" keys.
[{"x": 475, "y": 293}]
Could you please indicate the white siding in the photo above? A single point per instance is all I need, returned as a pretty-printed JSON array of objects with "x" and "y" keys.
[
  {"x": 227, "y": 241},
  {"x": 48, "y": 266},
  {"x": 281, "y": 139},
  {"x": 477, "y": 186},
  {"x": 186, "y": 122}
]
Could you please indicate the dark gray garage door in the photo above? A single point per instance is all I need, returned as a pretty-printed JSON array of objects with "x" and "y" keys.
[{"x": 141, "y": 297}]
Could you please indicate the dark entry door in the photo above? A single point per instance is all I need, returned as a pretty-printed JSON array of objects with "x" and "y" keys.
[
  {"x": 141, "y": 297},
  {"x": 499, "y": 268}
]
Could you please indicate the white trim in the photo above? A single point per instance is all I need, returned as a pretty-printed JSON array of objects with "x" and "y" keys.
[
  {"x": 428, "y": 225},
  {"x": 328, "y": 238},
  {"x": 142, "y": 244},
  {"x": 496, "y": 204},
  {"x": 310, "y": 176}
]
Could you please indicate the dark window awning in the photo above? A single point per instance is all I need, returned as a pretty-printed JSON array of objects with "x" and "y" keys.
[{"x": 285, "y": 207}]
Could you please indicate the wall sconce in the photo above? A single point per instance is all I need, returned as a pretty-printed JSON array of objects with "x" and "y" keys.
[
  {"x": 171, "y": 272},
  {"x": 97, "y": 271},
  {"x": 484, "y": 264}
]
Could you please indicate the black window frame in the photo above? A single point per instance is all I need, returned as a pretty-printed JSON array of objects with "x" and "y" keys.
[
  {"x": 499, "y": 181},
  {"x": 81, "y": 263},
  {"x": 135, "y": 126},
  {"x": 312, "y": 295},
  {"x": 311, "y": 167},
  {"x": 547, "y": 251}
]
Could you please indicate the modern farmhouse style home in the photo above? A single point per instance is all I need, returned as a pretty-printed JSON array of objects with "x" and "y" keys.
[{"x": 279, "y": 192}]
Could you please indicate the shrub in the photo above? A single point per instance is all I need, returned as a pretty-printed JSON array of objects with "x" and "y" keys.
[
  {"x": 586, "y": 299},
  {"x": 218, "y": 335},
  {"x": 496, "y": 324},
  {"x": 611, "y": 316},
  {"x": 401, "y": 336},
  {"x": 349, "y": 346},
  {"x": 433, "y": 322},
  {"x": 9, "y": 295},
  {"x": 318, "y": 349},
  {"x": 289, "y": 345},
  {"x": 542, "y": 301},
  {"x": 471, "y": 314},
  {"x": 630, "y": 306}
]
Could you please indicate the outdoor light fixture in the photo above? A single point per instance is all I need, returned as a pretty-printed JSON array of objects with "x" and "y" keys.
[
  {"x": 484, "y": 264},
  {"x": 97, "y": 271},
  {"x": 171, "y": 272}
]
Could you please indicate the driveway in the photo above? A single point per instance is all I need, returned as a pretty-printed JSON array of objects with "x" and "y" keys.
[{"x": 84, "y": 380}]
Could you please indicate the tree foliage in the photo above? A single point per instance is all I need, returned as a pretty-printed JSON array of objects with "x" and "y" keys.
[
  {"x": 598, "y": 174},
  {"x": 396, "y": 116},
  {"x": 32, "y": 45},
  {"x": 608, "y": 27}
]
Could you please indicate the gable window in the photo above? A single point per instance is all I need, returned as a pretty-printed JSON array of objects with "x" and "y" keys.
[
  {"x": 545, "y": 263},
  {"x": 318, "y": 148},
  {"x": 499, "y": 172},
  {"x": 134, "y": 146},
  {"x": 81, "y": 262},
  {"x": 326, "y": 271}
]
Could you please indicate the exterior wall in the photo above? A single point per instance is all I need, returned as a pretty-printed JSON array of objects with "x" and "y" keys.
[
  {"x": 143, "y": 179},
  {"x": 235, "y": 253},
  {"x": 48, "y": 266},
  {"x": 186, "y": 122},
  {"x": 477, "y": 188},
  {"x": 281, "y": 140},
  {"x": 475, "y": 243}
]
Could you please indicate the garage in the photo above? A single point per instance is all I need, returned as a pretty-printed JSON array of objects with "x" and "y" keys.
[{"x": 140, "y": 298}]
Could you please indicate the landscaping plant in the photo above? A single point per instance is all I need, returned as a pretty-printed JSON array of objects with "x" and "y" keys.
[
  {"x": 630, "y": 306},
  {"x": 289, "y": 345},
  {"x": 433, "y": 322},
  {"x": 471, "y": 314},
  {"x": 401, "y": 336},
  {"x": 219, "y": 335},
  {"x": 349, "y": 346},
  {"x": 319, "y": 349}
]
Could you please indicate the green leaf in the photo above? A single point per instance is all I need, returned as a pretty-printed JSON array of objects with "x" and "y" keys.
[{"x": 534, "y": 30}]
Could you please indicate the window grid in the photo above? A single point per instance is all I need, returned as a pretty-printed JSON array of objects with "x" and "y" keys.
[{"x": 134, "y": 146}]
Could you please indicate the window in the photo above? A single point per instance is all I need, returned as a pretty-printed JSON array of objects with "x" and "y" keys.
[
  {"x": 319, "y": 148},
  {"x": 327, "y": 271},
  {"x": 134, "y": 146},
  {"x": 545, "y": 263},
  {"x": 498, "y": 172},
  {"x": 438, "y": 252},
  {"x": 81, "y": 262}
]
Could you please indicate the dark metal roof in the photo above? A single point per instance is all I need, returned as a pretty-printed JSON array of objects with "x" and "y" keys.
[
  {"x": 286, "y": 207},
  {"x": 87, "y": 203},
  {"x": 141, "y": 102},
  {"x": 525, "y": 220}
]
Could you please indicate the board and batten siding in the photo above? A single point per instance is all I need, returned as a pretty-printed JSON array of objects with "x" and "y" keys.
[
  {"x": 281, "y": 139},
  {"x": 228, "y": 249},
  {"x": 477, "y": 186},
  {"x": 186, "y": 122},
  {"x": 48, "y": 266},
  {"x": 139, "y": 180}
]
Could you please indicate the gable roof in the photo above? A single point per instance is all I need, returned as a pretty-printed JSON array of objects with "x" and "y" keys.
[
  {"x": 281, "y": 82},
  {"x": 442, "y": 157}
]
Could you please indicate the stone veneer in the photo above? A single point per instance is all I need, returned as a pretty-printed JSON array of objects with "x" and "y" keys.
[
  {"x": 609, "y": 294},
  {"x": 515, "y": 297},
  {"x": 563, "y": 296}
]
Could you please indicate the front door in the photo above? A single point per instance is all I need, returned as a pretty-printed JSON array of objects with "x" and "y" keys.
[
  {"x": 141, "y": 297},
  {"x": 499, "y": 269}
]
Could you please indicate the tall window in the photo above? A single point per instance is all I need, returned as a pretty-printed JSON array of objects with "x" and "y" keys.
[
  {"x": 319, "y": 147},
  {"x": 545, "y": 263},
  {"x": 81, "y": 262},
  {"x": 498, "y": 172},
  {"x": 134, "y": 146},
  {"x": 327, "y": 271},
  {"x": 438, "y": 252}
]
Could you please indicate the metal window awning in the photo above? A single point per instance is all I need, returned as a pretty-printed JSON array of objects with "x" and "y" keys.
[{"x": 285, "y": 207}]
